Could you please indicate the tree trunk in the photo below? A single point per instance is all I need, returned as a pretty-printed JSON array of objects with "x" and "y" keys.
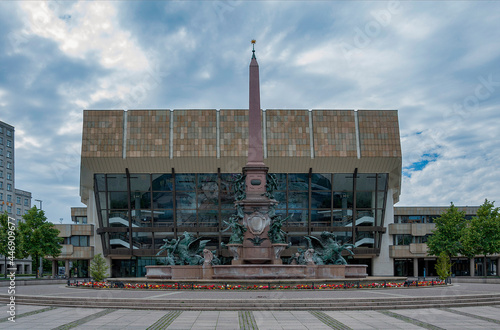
[
  {"x": 5, "y": 263},
  {"x": 451, "y": 265},
  {"x": 485, "y": 267},
  {"x": 38, "y": 267}
]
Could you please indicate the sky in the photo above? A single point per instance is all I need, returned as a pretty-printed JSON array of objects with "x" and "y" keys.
[{"x": 436, "y": 62}]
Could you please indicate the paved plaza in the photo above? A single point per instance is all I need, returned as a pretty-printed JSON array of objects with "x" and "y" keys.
[
  {"x": 41, "y": 317},
  {"x": 48, "y": 317}
]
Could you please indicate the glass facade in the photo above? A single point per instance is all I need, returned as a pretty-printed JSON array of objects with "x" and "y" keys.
[{"x": 137, "y": 211}]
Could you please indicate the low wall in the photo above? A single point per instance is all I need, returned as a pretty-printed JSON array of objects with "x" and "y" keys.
[
  {"x": 466, "y": 279},
  {"x": 33, "y": 282},
  {"x": 250, "y": 271}
]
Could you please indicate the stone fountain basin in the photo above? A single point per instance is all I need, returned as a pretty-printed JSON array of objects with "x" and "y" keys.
[{"x": 251, "y": 271}]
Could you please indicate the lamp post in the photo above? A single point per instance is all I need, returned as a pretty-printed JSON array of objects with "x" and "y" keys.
[
  {"x": 40, "y": 268},
  {"x": 38, "y": 200}
]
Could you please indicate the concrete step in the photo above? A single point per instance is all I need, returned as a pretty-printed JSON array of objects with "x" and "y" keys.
[
  {"x": 271, "y": 304},
  {"x": 252, "y": 308}
]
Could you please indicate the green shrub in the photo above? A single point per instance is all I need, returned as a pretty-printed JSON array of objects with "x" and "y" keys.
[{"x": 98, "y": 268}]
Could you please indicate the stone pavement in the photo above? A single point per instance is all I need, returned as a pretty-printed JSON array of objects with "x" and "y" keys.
[
  {"x": 43, "y": 317},
  {"x": 39, "y": 317}
]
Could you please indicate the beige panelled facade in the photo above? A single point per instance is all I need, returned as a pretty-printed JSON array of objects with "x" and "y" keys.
[
  {"x": 331, "y": 145},
  {"x": 334, "y": 133},
  {"x": 148, "y": 133},
  {"x": 233, "y": 133},
  {"x": 197, "y": 136},
  {"x": 102, "y": 133},
  {"x": 379, "y": 133},
  {"x": 288, "y": 133}
]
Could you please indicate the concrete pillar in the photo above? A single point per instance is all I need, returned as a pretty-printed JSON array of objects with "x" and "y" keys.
[
  {"x": 415, "y": 267},
  {"x": 54, "y": 268},
  {"x": 471, "y": 267},
  {"x": 66, "y": 268},
  {"x": 383, "y": 264}
]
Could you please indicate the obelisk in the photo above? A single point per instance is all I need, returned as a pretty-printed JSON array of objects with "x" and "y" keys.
[
  {"x": 255, "y": 168},
  {"x": 257, "y": 247},
  {"x": 255, "y": 152}
]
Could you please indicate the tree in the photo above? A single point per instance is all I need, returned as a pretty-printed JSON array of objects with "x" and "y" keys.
[
  {"x": 447, "y": 236},
  {"x": 443, "y": 266},
  {"x": 481, "y": 236},
  {"x": 9, "y": 241},
  {"x": 98, "y": 268},
  {"x": 39, "y": 237}
]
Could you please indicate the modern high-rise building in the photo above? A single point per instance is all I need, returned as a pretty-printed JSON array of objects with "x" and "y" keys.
[
  {"x": 7, "y": 177},
  {"x": 13, "y": 201}
]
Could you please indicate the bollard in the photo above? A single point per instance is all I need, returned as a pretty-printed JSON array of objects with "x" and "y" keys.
[
  {"x": 358, "y": 284},
  {"x": 345, "y": 285},
  {"x": 385, "y": 284},
  {"x": 269, "y": 286},
  {"x": 192, "y": 286},
  {"x": 147, "y": 287}
]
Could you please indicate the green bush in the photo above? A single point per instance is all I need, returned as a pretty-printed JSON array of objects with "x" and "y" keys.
[{"x": 98, "y": 268}]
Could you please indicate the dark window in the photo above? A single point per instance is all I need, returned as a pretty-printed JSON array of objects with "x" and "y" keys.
[
  {"x": 79, "y": 240},
  {"x": 402, "y": 239}
]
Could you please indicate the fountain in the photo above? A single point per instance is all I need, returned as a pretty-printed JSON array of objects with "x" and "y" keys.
[{"x": 257, "y": 240}]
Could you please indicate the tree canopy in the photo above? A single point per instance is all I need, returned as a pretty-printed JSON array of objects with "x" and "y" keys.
[
  {"x": 446, "y": 237},
  {"x": 481, "y": 236},
  {"x": 39, "y": 237}
]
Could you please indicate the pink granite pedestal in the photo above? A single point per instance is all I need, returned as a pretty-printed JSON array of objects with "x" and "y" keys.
[{"x": 257, "y": 271}]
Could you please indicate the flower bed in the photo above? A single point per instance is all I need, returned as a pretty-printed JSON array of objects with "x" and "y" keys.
[{"x": 312, "y": 286}]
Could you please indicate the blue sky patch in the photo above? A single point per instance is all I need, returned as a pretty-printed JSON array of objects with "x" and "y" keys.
[{"x": 421, "y": 164}]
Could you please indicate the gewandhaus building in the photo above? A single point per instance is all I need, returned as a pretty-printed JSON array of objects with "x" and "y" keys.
[{"x": 147, "y": 175}]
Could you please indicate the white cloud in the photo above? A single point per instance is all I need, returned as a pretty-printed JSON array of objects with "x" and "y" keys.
[
  {"x": 91, "y": 31},
  {"x": 25, "y": 141},
  {"x": 3, "y": 94},
  {"x": 72, "y": 123},
  {"x": 418, "y": 27}
]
